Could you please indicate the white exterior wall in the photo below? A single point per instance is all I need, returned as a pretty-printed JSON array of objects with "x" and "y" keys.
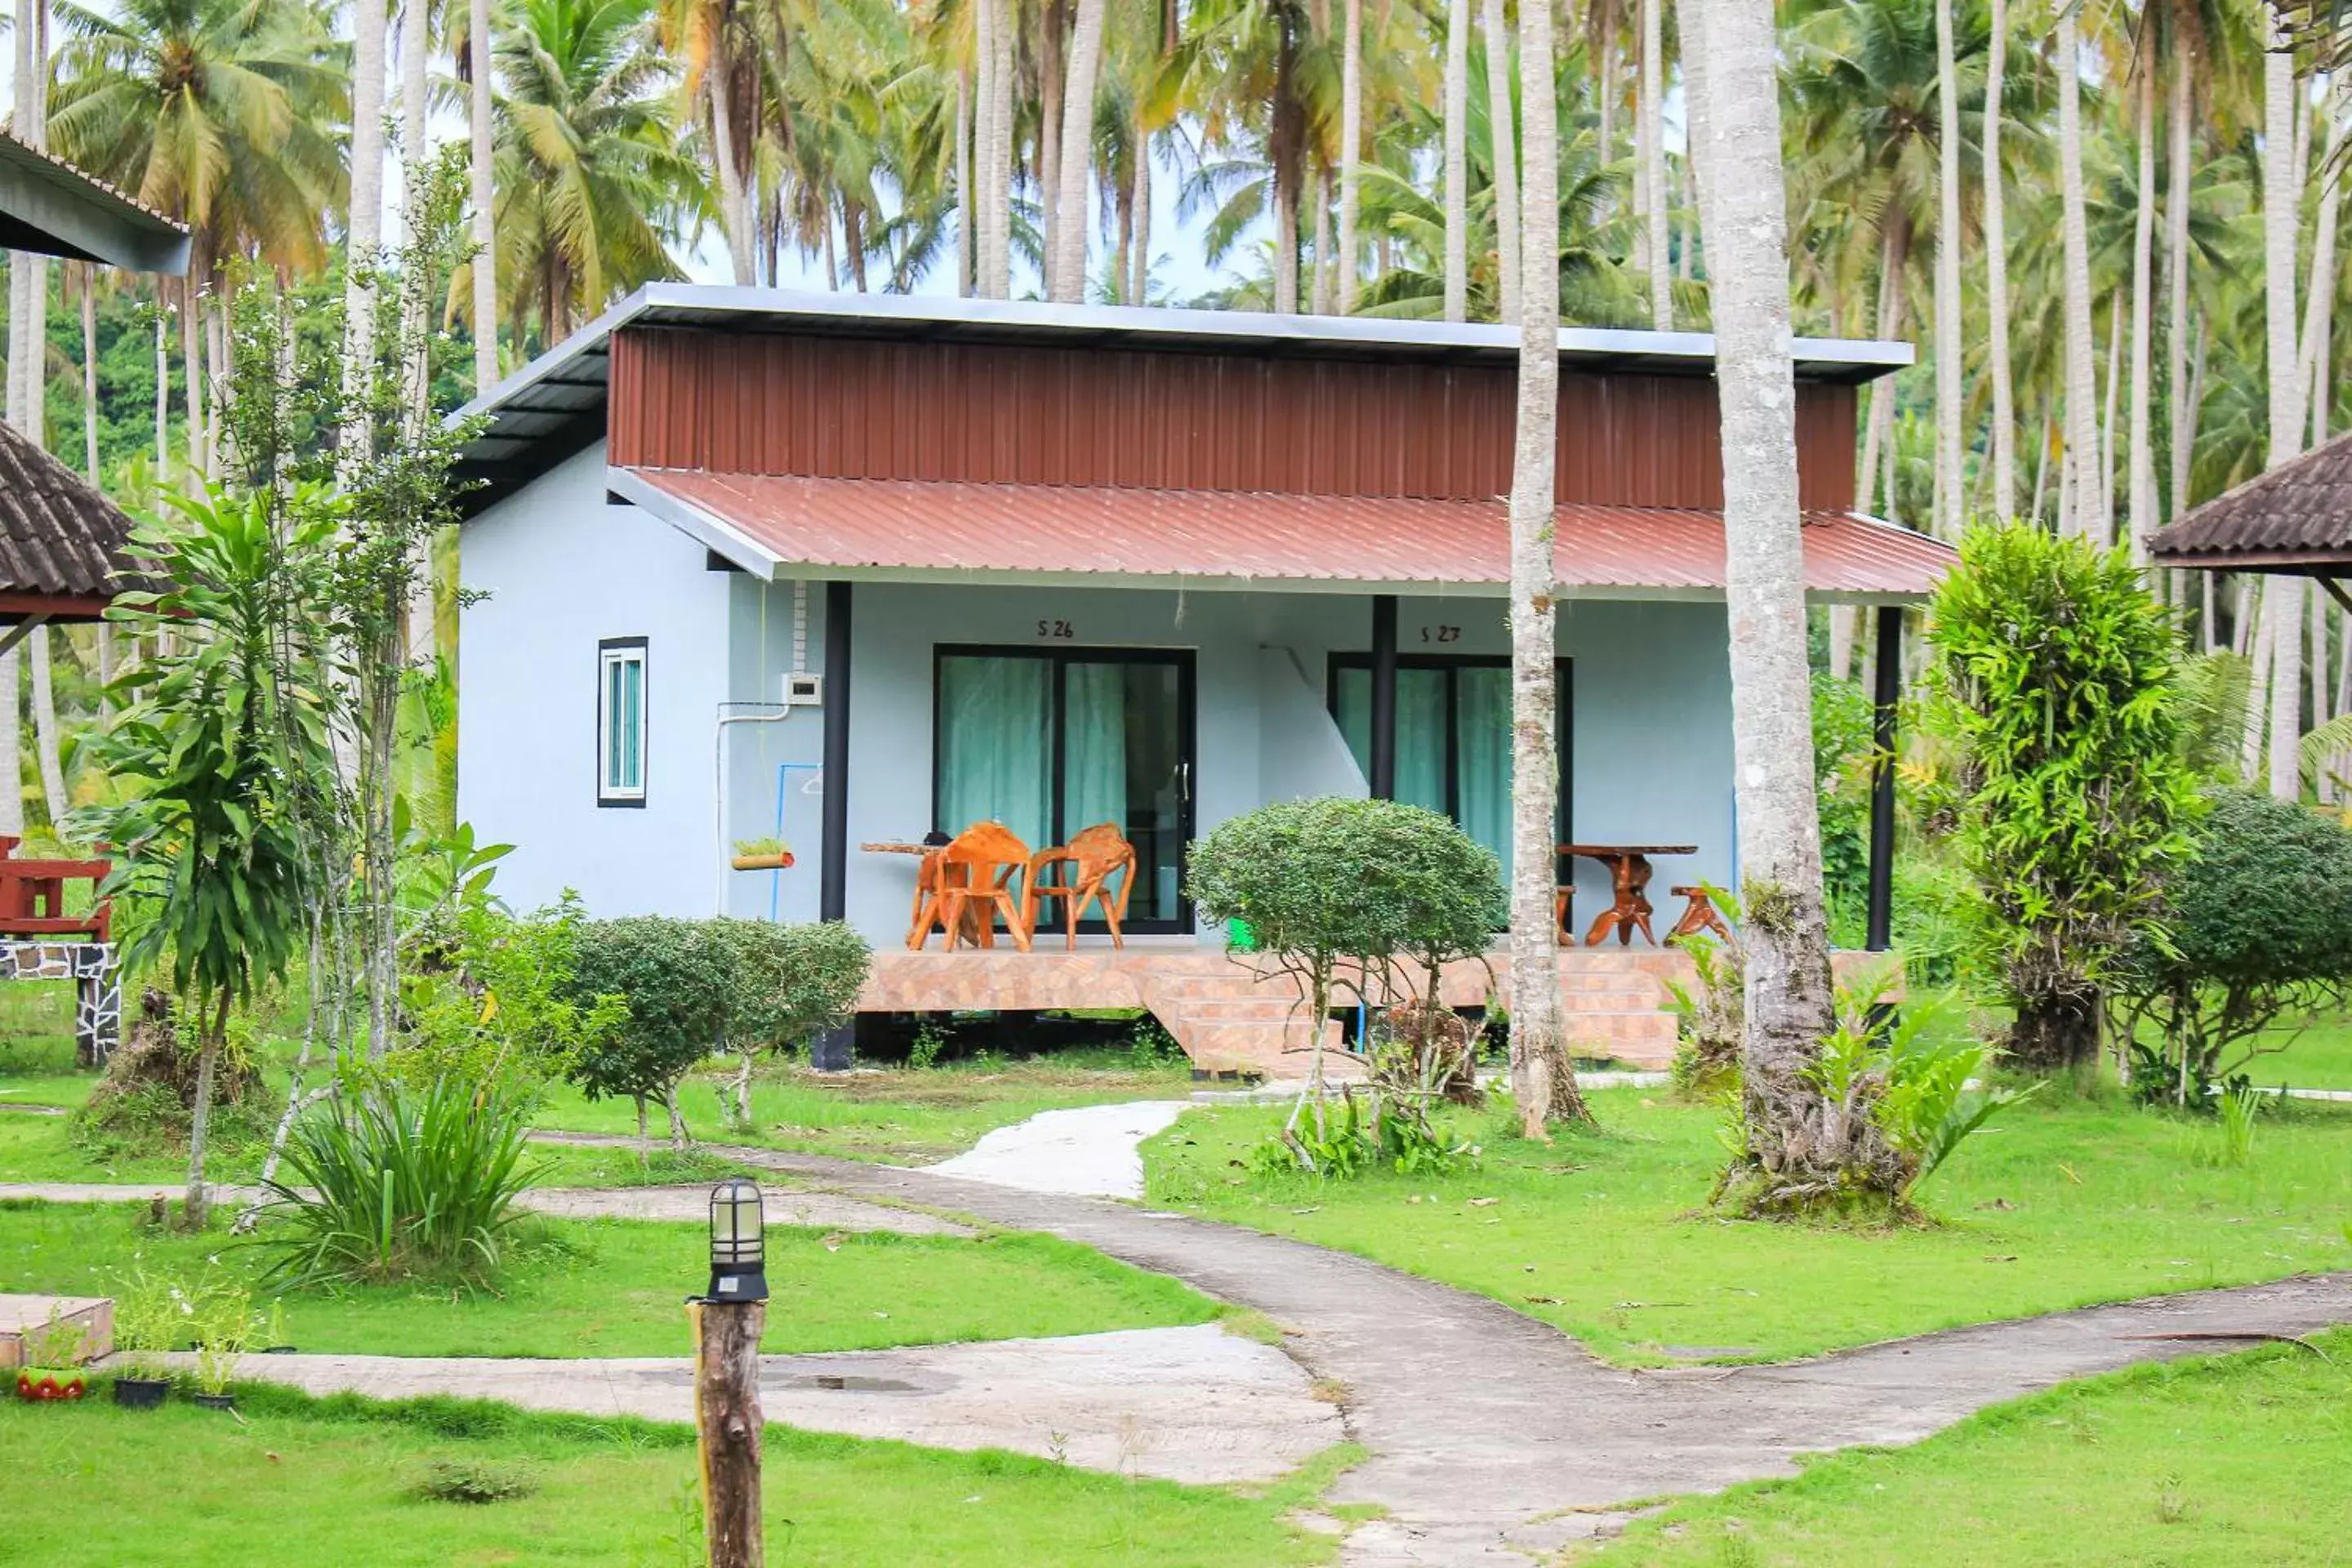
[
  {"x": 562, "y": 569},
  {"x": 1652, "y": 758}
]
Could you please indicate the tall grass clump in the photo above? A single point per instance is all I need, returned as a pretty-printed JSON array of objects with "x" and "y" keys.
[{"x": 398, "y": 1182}]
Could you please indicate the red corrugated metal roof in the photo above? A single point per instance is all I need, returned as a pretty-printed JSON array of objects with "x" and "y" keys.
[{"x": 887, "y": 524}]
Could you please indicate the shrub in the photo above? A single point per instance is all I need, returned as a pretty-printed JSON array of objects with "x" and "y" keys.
[
  {"x": 2257, "y": 926},
  {"x": 1355, "y": 894},
  {"x": 1711, "y": 1013},
  {"x": 674, "y": 977},
  {"x": 393, "y": 1181},
  {"x": 1844, "y": 745},
  {"x": 475, "y": 1481},
  {"x": 2053, "y": 678}
]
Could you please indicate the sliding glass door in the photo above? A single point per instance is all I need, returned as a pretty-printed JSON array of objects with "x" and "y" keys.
[
  {"x": 1453, "y": 740},
  {"x": 1050, "y": 742}
]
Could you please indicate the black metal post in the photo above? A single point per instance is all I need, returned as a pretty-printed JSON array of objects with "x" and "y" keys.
[
  {"x": 1881, "y": 933},
  {"x": 1384, "y": 685},
  {"x": 830, "y": 1052}
]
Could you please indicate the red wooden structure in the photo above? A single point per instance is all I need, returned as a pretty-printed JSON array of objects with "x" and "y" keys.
[{"x": 33, "y": 896}]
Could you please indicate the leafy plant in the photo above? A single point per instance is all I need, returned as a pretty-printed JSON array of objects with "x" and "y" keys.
[
  {"x": 1844, "y": 744},
  {"x": 2054, "y": 676},
  {"x": 224, "y": 1325},
  {"x": 1337, "y": 892},
  {"x": 217, "y": 738},
  {"x": 771, "y": 846},
  {"x": 2237, "y": 1107},
  {"x": 146, "y": 1320},
  {"x": 57, "y": 1343},
  {"x": 2257, "y": 929},
  {"x": 475, "y": 1481},
  {"x": 1373, "y": 1128},
  {"x": 494, "y": 1003},
  {"x": 1711, "y": 1011},
  {"x": 398, "y": 1182},
  {"x": 1151, "y": 1047},
  {"x": 676, "y": 979},
  {"x": 923, "y": 1052}
]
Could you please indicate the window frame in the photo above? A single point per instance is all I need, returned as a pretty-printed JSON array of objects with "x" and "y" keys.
[{"x": 613, "y": 653}]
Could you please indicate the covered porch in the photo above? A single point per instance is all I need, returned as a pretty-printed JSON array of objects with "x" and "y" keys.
[{"x": 1047, "y": 658}]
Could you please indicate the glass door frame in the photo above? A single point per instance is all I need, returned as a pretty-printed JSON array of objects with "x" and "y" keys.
[
  {"x": 1059, "y": 660},
  {"x": 1564, "y": 677}
]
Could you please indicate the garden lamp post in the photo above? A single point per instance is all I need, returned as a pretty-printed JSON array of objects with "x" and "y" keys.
[{"x": 727, "y": 1418}]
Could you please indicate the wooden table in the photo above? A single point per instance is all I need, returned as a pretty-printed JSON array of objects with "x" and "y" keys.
[{"x": 1629, "y": 875}]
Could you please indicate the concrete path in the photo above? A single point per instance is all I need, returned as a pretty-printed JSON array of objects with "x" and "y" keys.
[
  {"x": 1194, "y": 1404},
  {"x": 1090, "y": 1151},
  {"x": 1495, "y": 1437},
  {"x": 785, "y": 1205}
]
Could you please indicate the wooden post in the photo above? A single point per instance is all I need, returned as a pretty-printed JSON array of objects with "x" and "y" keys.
[
  {"x": 727, "y": 1423},
  {"x": 1382, "y": 771},
  {"x": 1880, "y": 908}
]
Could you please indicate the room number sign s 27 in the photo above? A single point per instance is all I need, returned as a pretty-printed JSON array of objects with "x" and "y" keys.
[
  {"x": 1049, "y": 628},
  {"x": 1440, "y": 634}
]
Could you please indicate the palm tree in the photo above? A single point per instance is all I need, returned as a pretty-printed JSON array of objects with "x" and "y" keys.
[
  {"x": 2085, "y": 474},
  {"x": 1456, "y": 118},
  {"x": 1502, "y": 138},
  {"x": 1789, "y": 1139},
  {"x": 363, "y": 229},
  {"x": 481, "y": 128},
  {"x": 1950, "y": 503},
  {"x": 2282, "y": 207},
  {"x": 2141, "y": 487},
  {"x": 1996, "y": 246},
  {"x": 590, "y": 177},
  {"x": 1651, "y": 139},
  {"x": 1067, "y": 273},
  {"x": 1542, "y": 1079},
  {"x": 720, "y": 42},
  {"x": 1351, "y": 147}
]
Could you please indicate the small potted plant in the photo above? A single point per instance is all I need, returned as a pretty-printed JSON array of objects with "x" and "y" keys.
[
  {"x": 52, "y": 1368},
  {"x": 146, "y": 1313},
  {"x": 761, "y": 854},
  {"x": 226, "y": 1322}
]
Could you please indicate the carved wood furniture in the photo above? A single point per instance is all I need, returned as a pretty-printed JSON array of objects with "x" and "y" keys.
[
  {"x": 32, "y": 896},
  {"x": 974, "y": 876},
  {"x": 1628, "y": 877},
  {"x": 1094, "y": 856},
  {"x": 1699, "y": 914}
]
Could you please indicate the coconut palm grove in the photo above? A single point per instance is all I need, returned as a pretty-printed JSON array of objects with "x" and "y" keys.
[{"x": 1228, "y": 782}]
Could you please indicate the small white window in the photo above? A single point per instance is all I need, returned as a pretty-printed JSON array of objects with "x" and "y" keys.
[{"x": 621, "y": 722}]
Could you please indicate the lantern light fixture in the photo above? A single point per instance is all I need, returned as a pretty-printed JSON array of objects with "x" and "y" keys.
[{"x": 738, "y": 1253}]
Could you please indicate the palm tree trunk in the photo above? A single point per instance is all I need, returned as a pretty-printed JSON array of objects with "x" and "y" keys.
[
  {"x": 1996, "y": 243},
  {"x": 964, "y": 258},
  {"x": 192, "y": 364},
  {"x": 1948, "y": 400},
  {"x": 996, "y": 151},
  {"x": 1502, "y": 133},
  {"x": 1138, "y": 283},
  {"x": 1790, "y": 1143},
  {"x": 2283, "y": 596},
  {"x": 89, "y": 275},
  {"x": 2141, "y": 485},
  {"x": 54, "y": 798},
  {"x": 1684, "y": 256},
  {"x": 1327, "y": 282},
  {"x": 1286, "y": 151},
  {"x": 365, "y": 230},
  {"x": 2178, "y": 189},
  {"x": 1052, "y": 23},
  {"x": 485, "y": 263},
  {"x": 2088, "y": 517},
  {"x": 1894, "y": 254},
  {"x": 734, "y": 199},
  {"x": 163, "y": 393},
  {"x": 1542, "y": 1080},
  {"x": 1077, "y": 162},
  {"x": 1651, "y": 139},
  {"x": 2311, "y": 356},
  {"x": 1351, "y": 149},
  {"x": 2114, "y": 385},
  {"x": 1457, "y": 160}
]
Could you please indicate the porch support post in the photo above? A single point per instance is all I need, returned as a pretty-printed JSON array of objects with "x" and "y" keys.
[
  {"x": 1881, "y": 921},
  {"x": 832, "y": 875},
  {"x": 1384, "y": 687}
]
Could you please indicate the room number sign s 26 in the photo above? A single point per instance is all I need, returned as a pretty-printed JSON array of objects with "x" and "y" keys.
[{"x": 1049, "y": 628}]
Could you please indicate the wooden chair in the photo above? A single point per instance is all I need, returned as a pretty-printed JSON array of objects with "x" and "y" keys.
[
  {"x": 974, "y": 876},
  {"x": 1699, "y": 915},
  {"x": 1094, "y": 856},
  {"x": 1562, "y": 897}
]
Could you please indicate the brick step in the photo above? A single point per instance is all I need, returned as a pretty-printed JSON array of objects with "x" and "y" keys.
[{"x": 1242, "y": 1009}]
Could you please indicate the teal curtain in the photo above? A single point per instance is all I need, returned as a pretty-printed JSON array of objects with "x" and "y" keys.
[
  {"x": 1421, "y": 738},
  {"x": 1355, "y": 700},
  {"x": 1482, "y": 737},
  {"x": 1094, "y": 742},
  {"x": 996, "y": 749}
]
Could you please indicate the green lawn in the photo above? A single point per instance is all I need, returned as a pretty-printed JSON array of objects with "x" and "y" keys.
[
  {"x": 2222, "y": 1462},
  {"x": 897, "y": 1116},
  {"x": 611, "y": 1287},
  {"x": 330, "y": 1483},
  {"x": 2056, "y": 1205}
]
